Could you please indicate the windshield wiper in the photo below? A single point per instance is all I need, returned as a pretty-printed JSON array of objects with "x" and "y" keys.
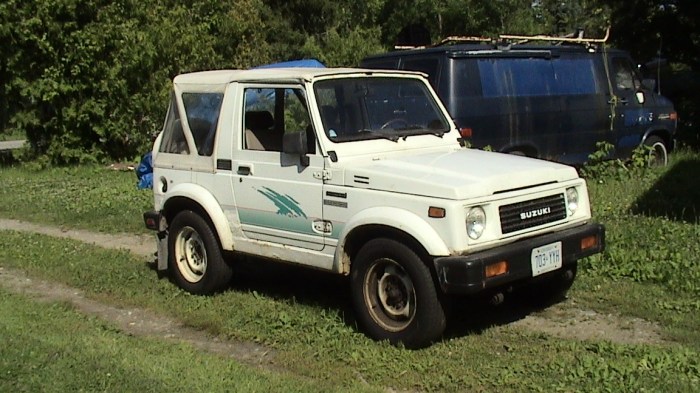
[
  {"x": 418, "y": 130},
  {"x": 390, "y": 136}
]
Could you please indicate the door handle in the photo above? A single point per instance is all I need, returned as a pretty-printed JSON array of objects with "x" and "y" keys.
[
  {"x": 618, "y": 100},
  {"x": 244, "y": 170}
]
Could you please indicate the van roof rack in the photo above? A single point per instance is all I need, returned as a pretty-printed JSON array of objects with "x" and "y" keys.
[
  {"x": 506, "y": 39},
  {"x": 575, "y": 38},
  {"x": 449, "y": 40}
]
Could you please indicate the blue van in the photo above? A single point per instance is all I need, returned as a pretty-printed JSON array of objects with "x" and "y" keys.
[{"x": 554, "y": 102}]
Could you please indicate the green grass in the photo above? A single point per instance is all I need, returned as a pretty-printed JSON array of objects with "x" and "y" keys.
[
  {"x": 649, "y": 270},
  {"x": 52, "y": 348},
  {"x": 78, "y": 197},
  {"x": 305, "y": 317}
]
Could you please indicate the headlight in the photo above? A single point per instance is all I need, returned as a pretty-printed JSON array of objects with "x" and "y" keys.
[
  {"x": 571, "y": 200},
  {"x": 476, "y": 222}
]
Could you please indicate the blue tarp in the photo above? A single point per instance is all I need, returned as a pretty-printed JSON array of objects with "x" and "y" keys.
[
  {"x": 144, "y": 172},
  {"x": 304, "y": 63}
]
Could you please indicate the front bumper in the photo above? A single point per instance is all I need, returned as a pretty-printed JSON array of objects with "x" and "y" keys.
[{"x": 466, "y": 274}]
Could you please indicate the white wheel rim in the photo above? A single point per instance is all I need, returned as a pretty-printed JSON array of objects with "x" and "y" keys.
[
  {"x": 658, "y": 155},
  {"x": 389, "y": 295},
  {"x": 190, "y": 255}
]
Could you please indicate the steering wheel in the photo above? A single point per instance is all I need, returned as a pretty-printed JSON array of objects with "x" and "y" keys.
[{"x": 396, "y": 121}]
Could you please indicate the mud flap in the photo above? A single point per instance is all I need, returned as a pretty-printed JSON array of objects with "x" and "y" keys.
[{"x": 162, "y": 240}]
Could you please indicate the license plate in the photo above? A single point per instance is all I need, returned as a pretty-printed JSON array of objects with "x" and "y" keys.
[{"x": 546, "y": 258}]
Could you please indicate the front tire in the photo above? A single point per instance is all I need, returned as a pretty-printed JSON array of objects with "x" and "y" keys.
[
  {"x": 195, "y": 259},
  {"x": 658, "y": 154},
  {"x": 394, "y": 295}
]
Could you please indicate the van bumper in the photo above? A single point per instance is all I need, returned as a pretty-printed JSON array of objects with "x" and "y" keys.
[{"x": 466, "y": 274}]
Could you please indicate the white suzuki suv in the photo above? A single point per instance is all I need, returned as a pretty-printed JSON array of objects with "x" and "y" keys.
[{"x": 357, "y": 172}]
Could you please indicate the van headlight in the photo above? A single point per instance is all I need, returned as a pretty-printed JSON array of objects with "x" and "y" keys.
[
  {"x": 476, "y": 222},
  {"x": 571, "y": 200}
]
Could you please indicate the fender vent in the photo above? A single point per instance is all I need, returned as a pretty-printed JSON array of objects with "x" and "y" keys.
[
  {"x": 361, "y": 179},
  {"x": 529, "y": 214}
]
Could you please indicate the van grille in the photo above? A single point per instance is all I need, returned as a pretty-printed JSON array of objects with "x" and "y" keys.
[{"x": 528, "y": 214}]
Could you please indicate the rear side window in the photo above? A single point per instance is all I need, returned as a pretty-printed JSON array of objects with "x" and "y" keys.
[
  {"x": 576, "y": 76},
  {"x": 202, "y": 117},
  {"x": 173, "y": 141},
  {"x": 429, "y": 66},
  {"x": 526, "y": 77}
]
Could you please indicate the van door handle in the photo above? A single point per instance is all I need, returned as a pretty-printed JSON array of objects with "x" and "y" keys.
[
  {"x": 618, "y": 100},
  {"x": 245, "y": 170}
]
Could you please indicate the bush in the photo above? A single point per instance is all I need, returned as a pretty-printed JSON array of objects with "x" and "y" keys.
[{"x": 88, "y": 79}]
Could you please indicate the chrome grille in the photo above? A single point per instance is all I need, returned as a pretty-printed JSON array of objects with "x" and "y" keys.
[{"x": 528, "y": 214}]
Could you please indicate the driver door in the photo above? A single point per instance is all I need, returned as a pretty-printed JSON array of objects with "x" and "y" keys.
[{"x": 278, "y": 199}]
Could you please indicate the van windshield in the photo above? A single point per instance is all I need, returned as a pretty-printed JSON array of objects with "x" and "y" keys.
[{"x": 355, "y": 109}]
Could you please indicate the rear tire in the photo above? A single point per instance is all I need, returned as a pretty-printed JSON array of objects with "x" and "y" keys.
[
  {"x": 394, "y": 295},
  {"x": 658, "y": 156},
  {"x": 195, "y": 259}
]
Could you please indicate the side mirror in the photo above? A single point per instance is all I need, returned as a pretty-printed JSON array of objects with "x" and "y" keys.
[{"x": 296, "y": 143}]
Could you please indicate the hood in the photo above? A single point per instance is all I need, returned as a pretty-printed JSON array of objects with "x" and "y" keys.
[{"x": 459, "y": 174}]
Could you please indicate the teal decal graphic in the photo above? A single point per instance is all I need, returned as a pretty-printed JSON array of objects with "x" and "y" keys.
[{"x": 286, "y": 205}]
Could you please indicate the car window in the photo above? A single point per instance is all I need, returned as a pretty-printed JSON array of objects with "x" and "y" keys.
[
  {"x": 524, "y": 77},
  {"x": 355, "y": 109},
  {"x": 202, "y": 111},
  {"x": 625, "y": 78},
  {"x": 271, "y": 112},
  {"x": 173, "y": 135},
  {"x": 427, "y": 65}
]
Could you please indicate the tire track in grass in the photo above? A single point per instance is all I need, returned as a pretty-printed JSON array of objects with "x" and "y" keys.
[
  {"x": 564, "y": 320},
  {"x": 132, "y": 321},
  {"x": 143, "y": 245},
  {"x": 135, "y": 321}
]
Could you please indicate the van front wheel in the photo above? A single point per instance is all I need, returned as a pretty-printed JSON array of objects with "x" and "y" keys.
[
  {"x": 394, "y": 295},
  {"x": 658, "y": 154}
]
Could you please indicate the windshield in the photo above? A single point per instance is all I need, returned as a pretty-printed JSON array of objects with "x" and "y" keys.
[{"x": 355, "y": 109}]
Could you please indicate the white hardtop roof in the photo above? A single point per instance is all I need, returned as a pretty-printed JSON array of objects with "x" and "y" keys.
[{"x": 217, "y": 77}]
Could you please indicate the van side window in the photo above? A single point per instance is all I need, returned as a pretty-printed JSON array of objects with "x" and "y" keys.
[
  {"x": 173, "y": 135},
  {"x": 428, "y": 65},
  {"x": 625, "y": 78},
  {"x": 202, "y": 111},
  {"x": 576, "y": 76},
  {"x": 501, "y": 77}
]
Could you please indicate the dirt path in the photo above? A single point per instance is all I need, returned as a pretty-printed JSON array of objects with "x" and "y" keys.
[
  {"x": 143, "y": 245},
  {"x": 135, "y": 321},
  {"x": 565, "y": 319}
]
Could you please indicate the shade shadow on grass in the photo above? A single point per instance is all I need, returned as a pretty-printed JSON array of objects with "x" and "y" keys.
[
  {"x": 676, "y": 195},
  {"x": 283, "y": 281},
  {"x": 474, "y": 315}
]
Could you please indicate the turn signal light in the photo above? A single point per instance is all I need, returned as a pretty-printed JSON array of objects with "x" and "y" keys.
[
  {"x": 151, "y": 223},
  {"x": 496, "y": 269},
  {"x": 436, "y": 212},
  {"x": 465, "y": 132},
  {"x": 589, "y": 242}
]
